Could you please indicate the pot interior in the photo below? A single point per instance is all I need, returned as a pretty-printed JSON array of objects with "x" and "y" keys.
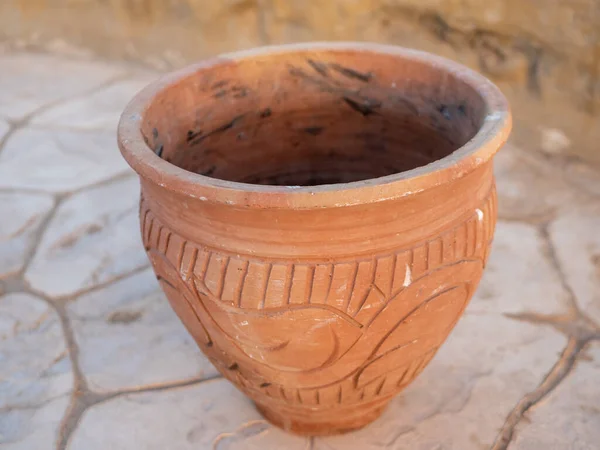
[{"x": 312, "y": 117}]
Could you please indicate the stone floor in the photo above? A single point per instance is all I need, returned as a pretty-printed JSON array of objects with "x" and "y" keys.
[{"x": 91, "y": 356}]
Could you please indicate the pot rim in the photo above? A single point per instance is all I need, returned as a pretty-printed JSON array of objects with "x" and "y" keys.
[{"x": 473, "y": 154}]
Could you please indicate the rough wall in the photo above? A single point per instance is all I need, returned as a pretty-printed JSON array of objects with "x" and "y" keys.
[{"x": 545, "y": 54}]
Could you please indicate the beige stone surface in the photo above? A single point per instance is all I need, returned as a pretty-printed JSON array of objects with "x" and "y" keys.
[
  {"x": 4, "y": 127},
  {"x": 22, "y": 214},
  {"x": 92, "y": 357},
  {"x": 59, "y": 160},
  {"x": 33, "y": 81},
  {"x": 585, "y": 177},
  {"x": 33, "y": 427},
  {"x": 569, "y": 417},
  {"x": 128, "y": 336},
  {"x": 98, "y": 111},
  {"x": 576, "y": 237},
  {"x": 213, "y": 415},
  {"x": 92, "y": 239},
  {"x": 35, "y": 373},
  {"x": 520, "y": 172}
]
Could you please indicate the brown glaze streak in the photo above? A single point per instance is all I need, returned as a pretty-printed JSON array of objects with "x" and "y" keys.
[
  {"x": 351, "y": 73},
  {"x": 365, "y": 107},
  {"x": 196, "y": 137},
  {"x": 319, "y": 67}
]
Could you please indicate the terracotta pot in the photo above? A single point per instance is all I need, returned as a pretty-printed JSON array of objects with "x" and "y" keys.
[{"x": 318, "y": 216}]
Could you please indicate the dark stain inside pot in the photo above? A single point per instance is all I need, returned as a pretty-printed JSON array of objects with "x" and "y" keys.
[{"x": 305, "y": 120}]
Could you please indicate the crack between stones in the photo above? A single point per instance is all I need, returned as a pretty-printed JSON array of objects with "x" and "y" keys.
[
  {"x": 550, "y": 251},
  {"x": 84, "y": 398},
  {"x": 556, "y": 265},
  {"x": 555, "y": 376},
  {"x": 18, "y": 279},
  {"x": 124, "y": 175},
  {"x": 245, "y": 431},
  {"x": 80, "y": 385},
  {"x": 38, "y": 235},
  {"x": 15, "y": 125},
  {"x": 442, "y": 409},
  {"x": 159, "y": 387},
  {"x": 63, "y": 299},
  {"x": 564, "y": 323},
  {"x": 579, "y": 329},
  {"x": 391, "y": 443},
  {"x": 573, "y": 324},
  {"x": 31, "y": 406}
]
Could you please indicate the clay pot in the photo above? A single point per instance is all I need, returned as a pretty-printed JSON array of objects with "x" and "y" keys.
[{"x": 318, "y": 216}]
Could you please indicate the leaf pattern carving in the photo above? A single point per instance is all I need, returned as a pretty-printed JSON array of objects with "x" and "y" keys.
[{"x": 260, "y": 321}]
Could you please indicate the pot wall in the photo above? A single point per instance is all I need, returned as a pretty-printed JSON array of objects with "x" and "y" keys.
[
  {"x": 321, "y": 301},
  {"x": 322, "y": 315}
]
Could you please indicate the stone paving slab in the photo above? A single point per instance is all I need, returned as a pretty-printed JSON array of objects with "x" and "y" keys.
[
  {"x": 22, "y": 215},
  {"x": 92, "y": 239},
  {"x": 576, "y": 237},
  {"x": 4, "y": 127},
  {"x": 59, "y": 161},
  {"x": 584, "y": 177},
  {"x": 92, "y": 357},
  {"x": 98, "y": 111},
  {"x": 569, "y": 417},
  {"x": 30, "y": 81},
  {"x": 36, "y": 379},
  {"x": 529, "y": 187},
  {"x": 210, "y": 415}
]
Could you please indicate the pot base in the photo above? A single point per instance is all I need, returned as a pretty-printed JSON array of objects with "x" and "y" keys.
[{"x": 324, "y": 423}]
